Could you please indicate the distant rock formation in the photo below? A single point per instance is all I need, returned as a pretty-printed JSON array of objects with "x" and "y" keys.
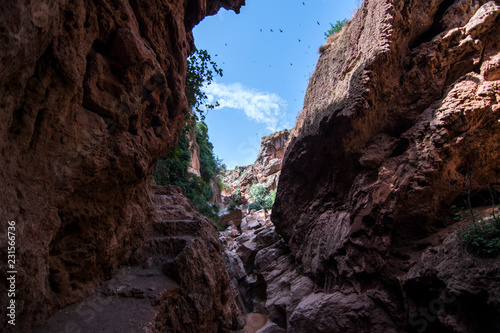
[
  {"x": 401, "y": 118},
  {"x": 265, "y": 170},
  {"x": 91, "y": 95}
]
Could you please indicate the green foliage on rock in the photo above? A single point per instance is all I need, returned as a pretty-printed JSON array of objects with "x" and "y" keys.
[
  {"x": 482, "y": 238},
  {"x": 236, "y": 196},
  {"x": 172, "y": 170},
  {"x": 261, "y": 197},
  {"x": 335, "y": 28},
  {"x": 208, "y": 161}
]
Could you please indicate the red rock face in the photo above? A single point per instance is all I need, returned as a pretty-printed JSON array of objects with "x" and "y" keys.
[
  {"x": 400, "y": 113},
  {"x": 92, "y": 94},
  {"x": 266, "y": 168}
]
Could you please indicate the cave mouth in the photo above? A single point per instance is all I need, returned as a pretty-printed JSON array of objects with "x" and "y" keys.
[{"x": 477, "y": 198}]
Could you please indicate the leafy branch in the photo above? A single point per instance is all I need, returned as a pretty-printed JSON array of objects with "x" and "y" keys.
[{"x": 201, "y": 70}]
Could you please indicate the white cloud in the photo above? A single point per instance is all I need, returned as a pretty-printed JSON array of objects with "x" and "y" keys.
[{"x": 263, "y": 107}]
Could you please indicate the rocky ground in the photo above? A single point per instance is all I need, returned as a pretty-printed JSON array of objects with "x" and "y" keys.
[
  {"x": 161, "y": 291},
  {"x": 263, "y": 274}
]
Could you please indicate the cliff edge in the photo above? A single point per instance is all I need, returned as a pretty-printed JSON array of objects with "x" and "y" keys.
[{"x": 401, "y": 119}]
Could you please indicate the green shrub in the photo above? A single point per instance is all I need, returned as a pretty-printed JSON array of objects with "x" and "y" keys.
[
  {"x": 335, "y": 28},
  {"x": 258, "y": 193},
  {"x": 269, "y": 200},
  {"x": 200, "y": 71},
  {"x": 172, "y": 170},
  {"x": 173, "y": 167},
  {"x": 221, "y": 184},
  {"x": 208, "y": 161},
  {"x": 236, "y": 196},
  {"x": 481, "y": 238},
  {"x": 255, "y": 206},
  {"x": 231, "y": 206},
  {"x": 261, "y": 197}
]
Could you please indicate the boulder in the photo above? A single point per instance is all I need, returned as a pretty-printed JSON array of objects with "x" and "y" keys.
[{"x": 236, "y": 215}]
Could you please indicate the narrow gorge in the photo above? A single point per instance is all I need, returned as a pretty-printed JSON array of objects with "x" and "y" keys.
[{"x": 367, "y": 221}]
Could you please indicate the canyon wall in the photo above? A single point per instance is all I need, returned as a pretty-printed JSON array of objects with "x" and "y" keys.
[
  {"x": 401, "y": 119},
  {"x": 266, "y": 168},
  {"x": 91, "y": 95}
]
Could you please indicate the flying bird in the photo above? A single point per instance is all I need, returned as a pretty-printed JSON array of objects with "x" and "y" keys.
[
  {"x": 299, "y": 40},
  {"x": 318, "y": 22},
  {"x": 271, "y": 30},
  {"x": 303, "y": 3},
  {"x": 281, "y": 30}
]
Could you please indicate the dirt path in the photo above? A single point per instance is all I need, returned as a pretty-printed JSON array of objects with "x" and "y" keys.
[{"x": 128, "y": 303}]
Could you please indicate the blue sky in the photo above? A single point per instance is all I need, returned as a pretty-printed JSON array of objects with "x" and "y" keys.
[{"x": 267, "y": 53}]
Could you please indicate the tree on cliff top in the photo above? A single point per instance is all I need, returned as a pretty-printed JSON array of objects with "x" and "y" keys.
[{"x": 335, "y": 28}]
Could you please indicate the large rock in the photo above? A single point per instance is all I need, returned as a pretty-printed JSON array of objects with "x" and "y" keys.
[
  {"x": 236, "y": 215},
  {"x": 401, "y": 118},
  {"x": 91, "y": 95}
]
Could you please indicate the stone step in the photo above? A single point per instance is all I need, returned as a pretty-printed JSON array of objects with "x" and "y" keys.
[
  {"x": 140, "y": 282},
  {"x": 171, "y": 213},
  {"x": 176, "y": 227},
  {"x": 162, "y": 199},
  {"x": 166, "y": 190},
  {"x": 165, "y": 245},
  {"x": 160, "y": 248}
]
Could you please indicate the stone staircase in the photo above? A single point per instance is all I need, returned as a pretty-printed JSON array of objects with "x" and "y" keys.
[
  {"x": 132, "y": 300},
  {"x": 174, "y": 228}
]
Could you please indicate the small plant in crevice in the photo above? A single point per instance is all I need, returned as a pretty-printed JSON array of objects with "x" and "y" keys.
[{"x": 481, "y": 238}]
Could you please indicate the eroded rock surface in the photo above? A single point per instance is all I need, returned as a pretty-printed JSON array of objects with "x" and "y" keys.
[
  {"x": 161, "y": 291},
  {"x": 91, "y": 95},
  {"x": 265, "y": 170},
  {"x": 263, "y": 273},
  {"x": 401, "y": 118}
]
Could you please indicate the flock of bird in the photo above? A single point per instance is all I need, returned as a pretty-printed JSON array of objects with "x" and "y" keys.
[{"x": 281, "y": 31}]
